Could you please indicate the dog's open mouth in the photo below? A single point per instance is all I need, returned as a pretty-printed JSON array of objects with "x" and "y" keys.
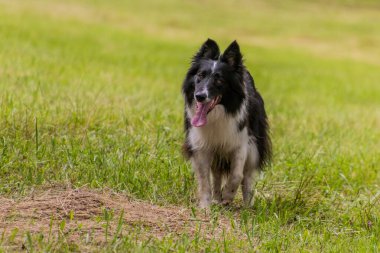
[{"x": 200, "y": 117}]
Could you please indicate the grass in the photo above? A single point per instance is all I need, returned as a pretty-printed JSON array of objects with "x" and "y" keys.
[{"x": 90, "y": 96}]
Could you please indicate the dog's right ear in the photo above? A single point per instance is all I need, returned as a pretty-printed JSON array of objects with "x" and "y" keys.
[
  {"x": 232, "y": 55},
  {"x": 209, "y": 50}
]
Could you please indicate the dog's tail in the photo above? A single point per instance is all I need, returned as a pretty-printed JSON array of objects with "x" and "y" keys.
[
  {"x": 263, "y": 140},
  {"x": 264, "y": 143}
]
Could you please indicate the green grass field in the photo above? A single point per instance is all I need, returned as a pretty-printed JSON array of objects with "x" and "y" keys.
[{"x": 90, "y": 98}]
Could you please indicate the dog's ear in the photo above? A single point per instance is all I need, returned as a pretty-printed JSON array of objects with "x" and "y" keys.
[
  {"x": 232, "y": 55},
  {"x": 209, "y": 50}
]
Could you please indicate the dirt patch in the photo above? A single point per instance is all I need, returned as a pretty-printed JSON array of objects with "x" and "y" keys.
[{"x": 84, "y": 213}]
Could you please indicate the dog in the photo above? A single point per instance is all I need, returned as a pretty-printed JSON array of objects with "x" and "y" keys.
[{"x": 226, "y": 127}]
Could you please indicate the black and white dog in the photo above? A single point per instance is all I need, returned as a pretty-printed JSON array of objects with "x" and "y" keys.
[{"x": 227, "y": 132}]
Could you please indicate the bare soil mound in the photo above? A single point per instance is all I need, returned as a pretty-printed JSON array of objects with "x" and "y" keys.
[{"x": 83, "y": 212}]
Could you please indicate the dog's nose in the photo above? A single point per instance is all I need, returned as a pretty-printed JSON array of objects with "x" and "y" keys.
[{"x": 200, "y": 96}]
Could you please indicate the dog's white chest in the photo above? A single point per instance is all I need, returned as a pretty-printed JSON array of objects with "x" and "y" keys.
[{"x": 221, "y": 132}]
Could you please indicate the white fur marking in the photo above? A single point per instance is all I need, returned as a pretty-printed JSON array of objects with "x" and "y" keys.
[
  {"x": 220, "y": 131},
  {"x": 213, "y": 66}
]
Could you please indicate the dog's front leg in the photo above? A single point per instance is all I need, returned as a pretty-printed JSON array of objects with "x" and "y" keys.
[
  {"x": 217, "y": 184},
  {"x": 201, "y": 162},
  {"x": 236, "y": 175}
]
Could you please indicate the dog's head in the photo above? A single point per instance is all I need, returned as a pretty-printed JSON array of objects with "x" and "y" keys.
[{"x": 214, "y": 79}]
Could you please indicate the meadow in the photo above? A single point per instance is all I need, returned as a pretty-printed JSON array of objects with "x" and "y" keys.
[{"x": 90, "y": 104}]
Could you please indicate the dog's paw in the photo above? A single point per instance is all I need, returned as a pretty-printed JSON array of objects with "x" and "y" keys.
[
  {"x": 248, "y": 202},
  {"x": 204, "y": 204},
  {"x": 216, "y": 201},
  {"x": 227, "y": 196},
  {"x": 226, "y": 202}
]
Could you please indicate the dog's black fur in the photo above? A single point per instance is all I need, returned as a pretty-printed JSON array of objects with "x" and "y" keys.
[{"x": 223, "y": 79}]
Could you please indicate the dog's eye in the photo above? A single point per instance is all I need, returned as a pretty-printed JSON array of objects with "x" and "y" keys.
[
  {"x": 201, "y": 75},
  {"x": 219, "y": 82}
]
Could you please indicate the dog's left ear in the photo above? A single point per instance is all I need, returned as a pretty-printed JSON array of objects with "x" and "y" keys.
[
  {"x": 232, "y": 55},
  {"x": 209, "y": 50}
]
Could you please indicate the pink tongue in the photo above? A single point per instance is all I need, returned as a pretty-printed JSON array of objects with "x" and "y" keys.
[{"x": 200, "y": 117}]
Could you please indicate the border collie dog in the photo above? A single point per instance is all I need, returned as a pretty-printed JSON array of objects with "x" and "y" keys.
[{"x": 227, "y": 132}]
